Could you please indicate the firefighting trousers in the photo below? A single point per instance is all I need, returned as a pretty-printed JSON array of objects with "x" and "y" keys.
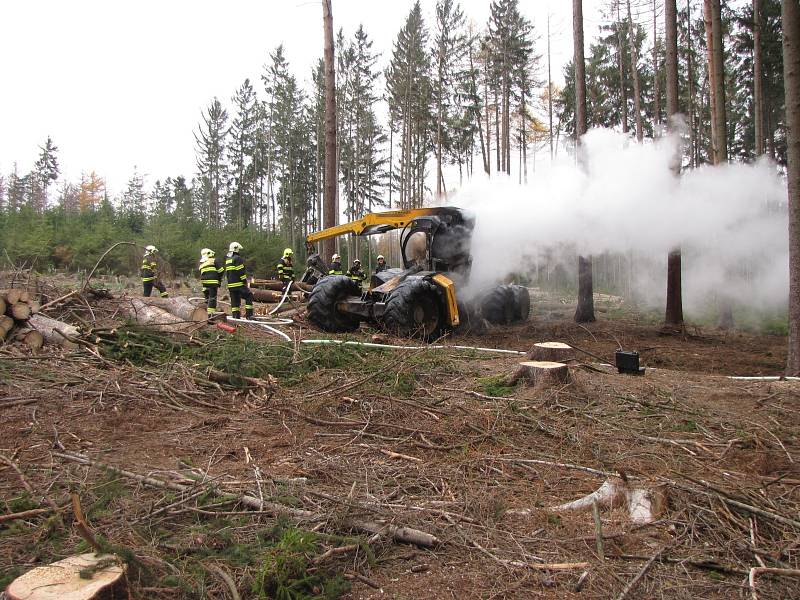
[
  {"x": 210, "y": 294},
  {"x": 237, "y": 295},
  {"x": 149, "y": 285}
]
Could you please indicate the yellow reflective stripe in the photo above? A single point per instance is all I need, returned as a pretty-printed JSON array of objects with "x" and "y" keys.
[
  {"x": 237, "y": 284},
  {"x": 148, "y": 278},
  {"x": 213, "y": 282}
]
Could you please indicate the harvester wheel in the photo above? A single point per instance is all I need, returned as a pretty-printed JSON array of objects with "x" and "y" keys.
[
  {"x": 322, "y": 304},
  {"x": 414, "y": 310},
  {"x": 522, "y": 302},
  {"x": 499, "y": 305}
]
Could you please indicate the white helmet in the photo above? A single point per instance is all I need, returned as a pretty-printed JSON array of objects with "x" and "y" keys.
[
  {"x": 150, "y": 249},
  {"x": 206, "y": 253},
  {"x": 380, "y": 257},
  {"x": 356, "y": 262},
  {"x": 336, "y": 257},
  {"x": 235, "y": 247}
]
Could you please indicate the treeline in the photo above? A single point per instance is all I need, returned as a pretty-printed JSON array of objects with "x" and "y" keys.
[{"x": 450, "y": 95}]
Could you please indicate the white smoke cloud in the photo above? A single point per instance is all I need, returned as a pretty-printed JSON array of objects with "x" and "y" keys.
[{"x": 730, "y": 221}]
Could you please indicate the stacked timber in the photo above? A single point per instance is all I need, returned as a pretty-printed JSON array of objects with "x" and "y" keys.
[
  {"x": 21, "y": 321},
  {"x": 279, "y": 286}
]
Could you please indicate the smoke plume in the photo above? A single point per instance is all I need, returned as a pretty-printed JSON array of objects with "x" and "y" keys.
[{"x": 729, "y": 221}]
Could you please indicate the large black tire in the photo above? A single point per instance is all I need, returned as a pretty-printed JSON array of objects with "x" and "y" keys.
[
  {"x": 414, "y": 309},
  {"x": 498, "y": 305},
  {"x": 522, "y": 302},
  {"x": 322, "y": 304}
]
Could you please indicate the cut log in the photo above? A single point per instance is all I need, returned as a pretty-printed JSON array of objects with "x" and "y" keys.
[
  {"x": 50, "y": 329},
  {"x": 180, "y": 306},
  {"x": 6, "y": 325},
  {"x": 2, "y": 305},
  {"x": 237, "y": 380},
  {"x": 274, "y": 284},
  {"x": 20, "y": 311},
  {"x": 271, "y": 296},
  {"x": 12, "y": 296},
  {"x": 80, "y": 577},
  {"x": 35, "y": 305},
  {"x": 154, "y": 317},
  {"x": 30, "y": 337},
  {"x": 25, "y": 296},
  {"x": 551, "y": 351},
  {"x": 537, "y": 373}
]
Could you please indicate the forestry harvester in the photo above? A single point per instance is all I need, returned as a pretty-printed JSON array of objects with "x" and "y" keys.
[{"x": 421, "y": 299}]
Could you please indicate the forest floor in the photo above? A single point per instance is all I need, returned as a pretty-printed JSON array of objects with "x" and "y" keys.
[{"x": 329, "y": 437}]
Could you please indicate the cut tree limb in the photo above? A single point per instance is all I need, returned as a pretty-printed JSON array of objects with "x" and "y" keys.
[
  {"x": 81, "y": 577},
  {"x": 179, "y": 306},
  {"x": 153, "y": 317},
  {"x": 644, "y": 504},
  {"x": 406, "y": 535},
  {"x": 50, "y": 329}
]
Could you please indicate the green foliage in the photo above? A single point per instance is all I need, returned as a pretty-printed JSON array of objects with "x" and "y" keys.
[
  {"x": 494, "y": 386},
  {"x": 75, "y": 241},
  {"x": 284, "y": 573},
  {"x": 235, "y": 354}
]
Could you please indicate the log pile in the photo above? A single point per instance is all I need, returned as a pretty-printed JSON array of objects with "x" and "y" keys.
[{"x": 21, "y": 321}]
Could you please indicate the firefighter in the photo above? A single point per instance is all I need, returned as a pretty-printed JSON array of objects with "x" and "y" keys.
[
  {"x": 286, "y": 268},
  {"x": 149, "y": 273},
  {"x": 237, "y": 282},
  {"x": 211, "y": 270},
  {"x": 381, "y": 266},
  {"x": 356, "y": 273},
  {"x": 336, "y": 265}
]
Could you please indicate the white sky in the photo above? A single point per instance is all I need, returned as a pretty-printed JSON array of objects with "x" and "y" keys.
[{"x": 122, "y": 83}]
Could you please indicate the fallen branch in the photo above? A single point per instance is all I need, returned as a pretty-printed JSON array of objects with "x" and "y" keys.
[
  {"x": 634, "y": 582},
  {"x": 406, "y": 535},
  {"x": 756, "y": 571}
]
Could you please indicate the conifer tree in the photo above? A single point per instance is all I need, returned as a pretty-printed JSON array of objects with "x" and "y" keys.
[
  {"x": 241, "y": 150},
  {"x": 210, "y": 142}
]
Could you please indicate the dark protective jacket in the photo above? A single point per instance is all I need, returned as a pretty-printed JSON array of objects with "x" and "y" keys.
[
  {"x": 380, "y": 268},
  {"x": 234, "y": 270},
  {"x": 211, "y": 270},
  {"x": 336, "y": 269},
  {"x": 357, "y": 274},
  {"x": 149, "y": 270},
  {"x": 285, "y": 270}
]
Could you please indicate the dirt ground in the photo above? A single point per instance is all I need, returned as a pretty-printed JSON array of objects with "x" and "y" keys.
[{"x": 428, "y": 439}]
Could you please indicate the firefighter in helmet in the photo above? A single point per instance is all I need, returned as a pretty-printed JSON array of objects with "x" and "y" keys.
[
  {"x": 237, "y": 282},
  {"x": 381, "y": 266},
  {"x": 336, "y": 265},
  {"x": 149, "y": 273},
  {"x": 211, "y": 270},
  {"x": 285, "y": 267},
  {"x": 356, "y": 273}
]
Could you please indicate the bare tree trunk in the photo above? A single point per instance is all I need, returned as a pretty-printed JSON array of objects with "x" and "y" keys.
[
  {"x": 486, "y": 112},
  {"x": 498, "y": 138},
  {"x": 621, "y": 60},
  {"x": 791, "y": 76},
  {"x": 549, "y": 90},
  {"x": 674, "y": 310},
  {"x": 712, "y": 88},
  {"x": 637, "y": 93},
  {"x": 758, "y": 82},
  {"x": 585, "y": 311},
  {"x": 690, "y": 75},
  {"x": 330, "y": 204},
  {"x": 656, "y": 85}
]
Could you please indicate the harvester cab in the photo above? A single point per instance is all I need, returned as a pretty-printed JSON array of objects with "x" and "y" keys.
[{"x": 417, "y": 300}]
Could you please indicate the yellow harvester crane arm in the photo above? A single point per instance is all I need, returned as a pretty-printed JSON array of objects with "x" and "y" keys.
[{"x": 372, "y": 223}]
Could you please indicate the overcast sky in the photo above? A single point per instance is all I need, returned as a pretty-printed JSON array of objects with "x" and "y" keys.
[{"x": 122, "y": 84}]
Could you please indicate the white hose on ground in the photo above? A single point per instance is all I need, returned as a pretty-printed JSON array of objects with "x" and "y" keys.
[
  {"x": 277, "y": 332},
  {"x": 285, "y": 293},
  {"x": 398, "y": 347}
]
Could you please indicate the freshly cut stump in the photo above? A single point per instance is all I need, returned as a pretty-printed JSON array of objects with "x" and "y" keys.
[
  {"x": 645, "y": 504},
  {"x": 62, "y": 580},
  {"x": 539, "y": 372},
  {"x": 551, "y": 351}
]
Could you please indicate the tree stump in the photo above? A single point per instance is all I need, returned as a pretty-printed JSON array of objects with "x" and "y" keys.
[
  {"x": 80, "y": 577},
  {"x": 551, "y": 352},
  {"x": 535, "y": 373}
]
